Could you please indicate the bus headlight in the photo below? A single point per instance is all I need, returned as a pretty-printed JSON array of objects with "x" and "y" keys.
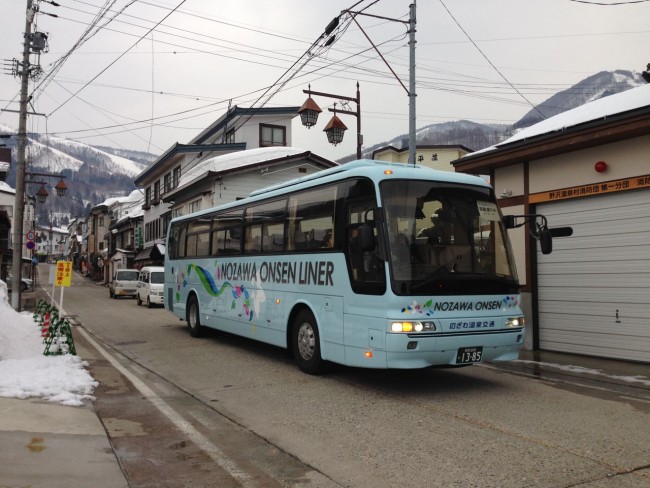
[
  {"x": 513, "y": 322},
  {"x": 412, "y": 326}
]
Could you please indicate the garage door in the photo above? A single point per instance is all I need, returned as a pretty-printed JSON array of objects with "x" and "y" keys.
[{"x": 594, "y": 289}]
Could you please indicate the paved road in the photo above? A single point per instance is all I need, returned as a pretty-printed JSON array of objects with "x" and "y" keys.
[{"x": 224, "y": 411}]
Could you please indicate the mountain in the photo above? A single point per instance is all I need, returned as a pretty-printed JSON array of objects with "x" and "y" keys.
[
  {"x": 477, "y": 136},
  {"x": 91, "y": 174},
  {"x": 592, "y": 88},
  {"x": 94, "y": 174}
]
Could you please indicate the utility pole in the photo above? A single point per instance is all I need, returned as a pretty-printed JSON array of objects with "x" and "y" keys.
[
  {"x": 412, "y": 95},
  {"x": 19, "y": 203}
]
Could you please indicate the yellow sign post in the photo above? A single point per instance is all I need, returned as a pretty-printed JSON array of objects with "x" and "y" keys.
[
  {"x": 63, "y": 273},
  {"x": 62, "y": 278}
]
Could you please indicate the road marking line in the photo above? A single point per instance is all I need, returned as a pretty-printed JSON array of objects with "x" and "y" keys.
[{"x": 199, "y": 439}]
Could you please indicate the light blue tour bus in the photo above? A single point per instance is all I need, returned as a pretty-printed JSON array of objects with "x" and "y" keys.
[{"x": 368, "y": 264}]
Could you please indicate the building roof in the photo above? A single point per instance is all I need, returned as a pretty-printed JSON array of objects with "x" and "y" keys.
[
  {"x": 235, "y": 113},
  {"x": 609, "y": 119},
  {"x": 7, "y": 188},
  {"x": 242, "y": 161},
  {"x": 184, "y": 149},
  {"x": 420, "y": 146},
  {"x": 198, "y": 144}
]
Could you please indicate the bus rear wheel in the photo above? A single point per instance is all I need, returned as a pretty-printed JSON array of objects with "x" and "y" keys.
[
  {"x": 306, "y": 343},
  {"x": 194, "y": 317}
]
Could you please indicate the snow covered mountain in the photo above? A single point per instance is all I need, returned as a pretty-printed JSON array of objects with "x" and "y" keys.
[
  {"x": 477, "y": 136},
  {"x": 592, "y": 88},
  {"x": 92, "y": 174}
]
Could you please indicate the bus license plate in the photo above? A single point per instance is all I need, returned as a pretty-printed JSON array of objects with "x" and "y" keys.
[{"x": 469, "y": 355}]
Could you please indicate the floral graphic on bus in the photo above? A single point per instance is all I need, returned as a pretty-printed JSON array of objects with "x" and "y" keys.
[
  {"x": 425, "y": 308},
  {"x": 511, "y": 301},
  {"x": 239, "y": 292}
]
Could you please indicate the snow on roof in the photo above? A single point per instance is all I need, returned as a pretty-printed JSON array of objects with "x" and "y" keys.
[
  {"x": 6, "y": 188},
  {"x": 603, "y": 107},
  {"x": 134, "y": 196},
  {"x": 238, "y": 159}
]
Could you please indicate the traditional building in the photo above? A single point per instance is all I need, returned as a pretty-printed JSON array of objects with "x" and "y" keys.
[
  {"x": 238, "y": 129},
  {"x": 433, "y": 156},
  {"x": 587, "y": 168}
]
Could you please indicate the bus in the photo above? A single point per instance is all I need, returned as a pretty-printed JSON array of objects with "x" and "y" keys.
[{"x": 368, "y": 264}]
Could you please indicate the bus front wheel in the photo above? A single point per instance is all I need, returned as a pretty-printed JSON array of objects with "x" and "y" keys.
[
  {"x": 194, "y": 317},
  {"x": 306, "y": 343}
]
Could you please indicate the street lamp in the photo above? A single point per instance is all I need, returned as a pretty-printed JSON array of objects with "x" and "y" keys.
[
  {"x": 41, "y": 194},
  {"x": 335, "y": 127},
  {"x": 309, "y": 112}
]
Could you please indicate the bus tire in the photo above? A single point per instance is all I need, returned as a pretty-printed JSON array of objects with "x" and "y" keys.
[
  {"x": 306, "y": 343},
  {"x": 194, "y": 317}
]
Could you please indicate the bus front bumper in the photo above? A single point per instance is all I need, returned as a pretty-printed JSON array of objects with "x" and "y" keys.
[{"x": 411, "y": 351}]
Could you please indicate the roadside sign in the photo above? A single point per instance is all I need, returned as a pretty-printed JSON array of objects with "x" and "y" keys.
[
  {"x": 63, "y": 273},
  {"x": 30, "y": 245},
  {"x": 30, "y": 235}
]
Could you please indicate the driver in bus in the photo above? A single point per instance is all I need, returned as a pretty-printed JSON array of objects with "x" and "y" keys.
[{"x": 437, "y": 233}]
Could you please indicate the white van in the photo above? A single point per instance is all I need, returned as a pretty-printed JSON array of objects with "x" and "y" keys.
[
  {"x": 151, "y": 283},
  {"x": 123, "y": 283}
]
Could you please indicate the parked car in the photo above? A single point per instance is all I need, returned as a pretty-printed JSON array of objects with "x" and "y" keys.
[
  {"x": 25, "y": 283},
  {"x": 151, "y": 285},
  {"x": 124, "y": 283}
]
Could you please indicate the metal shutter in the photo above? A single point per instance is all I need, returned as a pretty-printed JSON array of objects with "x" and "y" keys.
[{"x": 594, "y": 289}]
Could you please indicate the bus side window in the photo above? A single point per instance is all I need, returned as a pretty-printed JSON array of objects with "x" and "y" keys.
[
  {"x": 253, "y": 242},
  {"x": 182, "y": 236}
]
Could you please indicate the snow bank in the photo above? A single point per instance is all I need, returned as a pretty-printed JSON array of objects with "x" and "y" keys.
[{"x": 25, "y": 372}]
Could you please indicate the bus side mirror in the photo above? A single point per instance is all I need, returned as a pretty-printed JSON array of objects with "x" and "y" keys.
[
  {"x": 545, "y": 241},
  {"x": 561, "y": 231},
  {"x": 546, "y": 237},
  {"x": 509, "y": 221}
]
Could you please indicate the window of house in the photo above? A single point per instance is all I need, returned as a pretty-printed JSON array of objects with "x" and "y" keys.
[
  {"x": 176, "y": 176},
  {"x": 195, "y": 206},
  {"x": 166, "y": 219},
  {"x": 167, "y": 185},
  {"x": 273, "y": 135},
  {"x": 230, "y": 137},
  {"x": 156, "y": 191},
  {"x": 147, "y": 196}
]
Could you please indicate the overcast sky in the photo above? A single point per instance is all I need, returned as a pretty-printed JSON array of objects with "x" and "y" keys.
[{"x": 209, "y": 53}]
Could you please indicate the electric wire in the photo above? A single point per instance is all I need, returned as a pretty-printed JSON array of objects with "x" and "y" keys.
[
  {"x": 490, "y": 62},
  {"x": 118, "y": 58}
]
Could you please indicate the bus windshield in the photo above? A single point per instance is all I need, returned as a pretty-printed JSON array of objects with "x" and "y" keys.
[{"x": 446, "y": 239}]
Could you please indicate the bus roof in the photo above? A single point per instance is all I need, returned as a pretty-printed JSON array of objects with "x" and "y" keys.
[
  {"x": 369, "y": 168},
  {"x": 357, "y": 167}
]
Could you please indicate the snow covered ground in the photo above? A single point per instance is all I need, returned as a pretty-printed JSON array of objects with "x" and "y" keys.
[{"x": 25, "y": 372}]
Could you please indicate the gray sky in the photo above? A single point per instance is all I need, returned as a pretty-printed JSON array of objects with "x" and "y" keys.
[{"x": 208, "y": 52}]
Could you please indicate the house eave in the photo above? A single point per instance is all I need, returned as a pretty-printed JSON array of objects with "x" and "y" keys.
[
  {"x": 594, "y": 133},
  {"x": 177, "y": 149}
]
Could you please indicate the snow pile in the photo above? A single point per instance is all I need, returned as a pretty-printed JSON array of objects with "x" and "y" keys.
[{"x": 24, "y": 370}]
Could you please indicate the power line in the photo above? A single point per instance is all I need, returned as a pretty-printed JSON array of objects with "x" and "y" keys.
[
  {"x": 490, "y": 62},
  {"x": 119, "y": 57}
]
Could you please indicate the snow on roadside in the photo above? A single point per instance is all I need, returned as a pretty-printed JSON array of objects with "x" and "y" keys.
[{"x": 25, "y": 372}]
